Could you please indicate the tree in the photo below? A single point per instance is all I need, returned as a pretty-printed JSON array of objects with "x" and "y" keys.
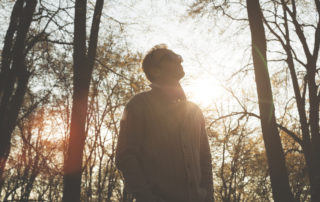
[
  {"x": 34, "y": 166},
  {"x": 240, "y": 167},
  {"x": 306, "y": 87},
  {"x": 275, "y": 155},
  {"x": 14, "y": 75},
  {"x": 82, "y": 69},
  {"x": 21, "y": 60}
]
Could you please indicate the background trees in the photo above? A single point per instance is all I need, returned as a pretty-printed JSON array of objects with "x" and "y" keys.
[
  {"x": 305, "y": 88},
  {"x": 276, "y": 162},
  {"x": 83, "y": 62},
  {"x": 14, "y": 74}
]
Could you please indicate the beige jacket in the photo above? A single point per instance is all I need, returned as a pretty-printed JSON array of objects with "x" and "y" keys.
[{"x": 163, "y": 149}]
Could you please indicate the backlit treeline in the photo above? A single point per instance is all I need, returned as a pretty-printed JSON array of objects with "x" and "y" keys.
[
  {"x": 292, "y": 41},
  {"x": 36, "y": 110}
]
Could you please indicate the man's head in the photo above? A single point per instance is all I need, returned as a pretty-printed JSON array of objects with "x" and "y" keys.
[{"x": 161, "y": 65}]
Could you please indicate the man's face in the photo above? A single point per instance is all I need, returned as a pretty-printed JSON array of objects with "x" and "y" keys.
[{"x": 169, "y": 67}]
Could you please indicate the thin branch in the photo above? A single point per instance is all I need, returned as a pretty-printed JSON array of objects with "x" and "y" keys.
[
  {"x": 286, "y": 130},
  {"x": 298, "y": 29}
]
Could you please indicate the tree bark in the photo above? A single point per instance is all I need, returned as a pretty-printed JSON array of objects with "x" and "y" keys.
[
  {"x": 276, "y": 161},
  {"x": 82, "y": 69},
  {"x": 314, "y": 99},
  {"x": 14, "y": 75},
  {"x": 309, "y": 126}
]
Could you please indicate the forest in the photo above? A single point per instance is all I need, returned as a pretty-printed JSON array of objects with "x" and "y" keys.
[{"x": 68, "y": 68}]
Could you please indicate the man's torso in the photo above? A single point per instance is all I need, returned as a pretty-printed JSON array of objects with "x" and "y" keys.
[{"x": 170, "y": 151}]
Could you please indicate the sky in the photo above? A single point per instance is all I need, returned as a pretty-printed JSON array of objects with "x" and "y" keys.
[
  {"x": 210, "y": 50},
  {"x": 213, "y": 48}
]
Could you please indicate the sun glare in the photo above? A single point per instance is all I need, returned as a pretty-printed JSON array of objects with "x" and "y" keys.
[{"x": 203, "y": 91}]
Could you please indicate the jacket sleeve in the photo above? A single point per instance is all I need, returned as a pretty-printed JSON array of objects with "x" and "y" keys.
[
  {"x": 128, "y": 148},
  {"x": 205, "y": 163}
]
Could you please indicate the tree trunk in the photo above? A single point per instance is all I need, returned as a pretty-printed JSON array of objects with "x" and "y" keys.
[
  {"x": 309, "y": 126},
  {"x": 82, "y": 70},
  {"x": 276, "y": 161},
  {"x": 14, "y": 75}
]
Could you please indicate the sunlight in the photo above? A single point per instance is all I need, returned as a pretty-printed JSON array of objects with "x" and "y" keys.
[{"x": 203, "y": 91}]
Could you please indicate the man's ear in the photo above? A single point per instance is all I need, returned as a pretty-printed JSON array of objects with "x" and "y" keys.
[{"x": 155, "y": 72}]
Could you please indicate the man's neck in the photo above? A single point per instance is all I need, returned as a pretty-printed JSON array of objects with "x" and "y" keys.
[{"x": 169, "y": 92}]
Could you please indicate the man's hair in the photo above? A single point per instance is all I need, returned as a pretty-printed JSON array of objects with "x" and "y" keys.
[{"x": 150, "y": 61}]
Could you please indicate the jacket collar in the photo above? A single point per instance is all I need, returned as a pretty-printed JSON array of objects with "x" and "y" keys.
[{"x": 171, "y": 94}]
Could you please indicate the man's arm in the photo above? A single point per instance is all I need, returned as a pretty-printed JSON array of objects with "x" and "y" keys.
[
  {"x": 205, "y": 163},
  {"x": 127, "y": 151}
]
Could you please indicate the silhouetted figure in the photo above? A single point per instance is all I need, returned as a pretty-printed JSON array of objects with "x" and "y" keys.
[{"x": 163, "y": 150}]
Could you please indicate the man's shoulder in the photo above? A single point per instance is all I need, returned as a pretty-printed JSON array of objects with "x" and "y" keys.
[
  {"x": 193, "y": 107},
  {"x": 194, "y": 111},
  {"x": 138, "y": 99}
]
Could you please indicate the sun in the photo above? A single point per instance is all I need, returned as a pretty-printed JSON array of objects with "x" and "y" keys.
[{"x": 204, "y": 91}]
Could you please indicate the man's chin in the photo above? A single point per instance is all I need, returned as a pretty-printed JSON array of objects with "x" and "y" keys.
[
  {"x": 181, "y": 75},
  {"x": 176, "y": 77}
]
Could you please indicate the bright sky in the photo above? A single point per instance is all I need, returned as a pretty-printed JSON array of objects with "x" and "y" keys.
[
  {"x": 211, "y": 49},
  {"x": 209, "y": 57}
]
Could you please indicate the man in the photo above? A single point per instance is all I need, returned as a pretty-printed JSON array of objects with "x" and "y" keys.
[{"x": 163, "y": 150}]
